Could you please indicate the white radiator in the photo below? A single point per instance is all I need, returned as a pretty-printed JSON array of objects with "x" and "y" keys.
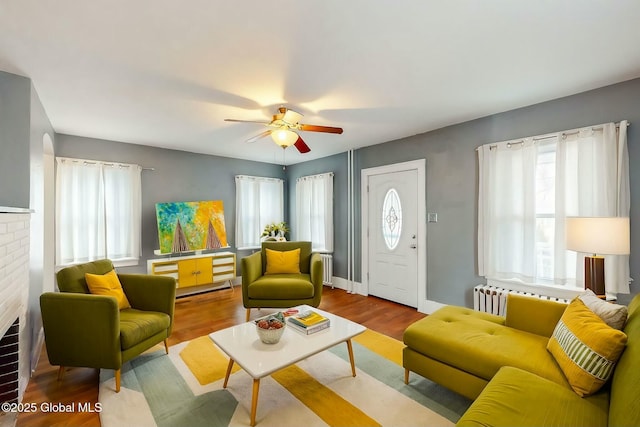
[
  {"x": 327, "y": 266},
  {"x": 492, "y": 299}
]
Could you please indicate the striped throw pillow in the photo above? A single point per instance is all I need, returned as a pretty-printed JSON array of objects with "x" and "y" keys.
[{"x": 586, "y": 348}]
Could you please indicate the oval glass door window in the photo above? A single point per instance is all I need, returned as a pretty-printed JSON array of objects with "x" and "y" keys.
[{"x": 391, "y": 219}]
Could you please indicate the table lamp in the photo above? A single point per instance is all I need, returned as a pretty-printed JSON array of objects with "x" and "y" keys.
[{"x": 597, "y": 236}]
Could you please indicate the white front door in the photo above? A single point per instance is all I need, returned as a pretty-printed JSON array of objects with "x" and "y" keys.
[{"x": 393, "y": 234}]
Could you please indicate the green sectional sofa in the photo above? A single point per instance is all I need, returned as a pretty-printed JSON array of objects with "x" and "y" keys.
[{"x": 504, "y": 365}]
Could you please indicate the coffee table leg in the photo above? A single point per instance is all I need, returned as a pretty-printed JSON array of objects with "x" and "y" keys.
[
  {"x": 226, "y": 377},
  {"x": 254, "y": 401},
  {"x": 353, "y": 365}
]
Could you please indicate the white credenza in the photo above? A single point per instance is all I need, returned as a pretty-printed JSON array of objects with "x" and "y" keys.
[{"x": 197, "y": 273}]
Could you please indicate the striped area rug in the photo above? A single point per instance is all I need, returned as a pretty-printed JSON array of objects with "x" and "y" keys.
[{"x": 184, "y": 388}]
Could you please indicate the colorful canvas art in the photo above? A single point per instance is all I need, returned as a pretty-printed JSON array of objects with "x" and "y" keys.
[{"x": 191, "y": 226}]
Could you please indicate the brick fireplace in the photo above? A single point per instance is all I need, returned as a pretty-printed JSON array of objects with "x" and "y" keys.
[
  {"x": 9, "y": 361},
  {"x": 14, "y": 292}
]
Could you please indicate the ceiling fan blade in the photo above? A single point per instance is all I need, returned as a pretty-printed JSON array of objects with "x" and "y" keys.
[
  {"x": 314, "y": 128},
  {"x": 301, "y": 146},
  {"x": 265, "y": 122},
  {"x": 260, "y": 135}
]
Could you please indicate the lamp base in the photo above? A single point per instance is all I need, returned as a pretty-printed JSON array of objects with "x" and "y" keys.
[{"x": 594, "y": 274}]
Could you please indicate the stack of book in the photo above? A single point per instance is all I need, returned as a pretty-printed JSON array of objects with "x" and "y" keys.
[{"x": 308, "y": 322}]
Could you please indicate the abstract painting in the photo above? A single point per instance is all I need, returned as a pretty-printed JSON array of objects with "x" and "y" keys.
[{"x": 191, "y": 226}]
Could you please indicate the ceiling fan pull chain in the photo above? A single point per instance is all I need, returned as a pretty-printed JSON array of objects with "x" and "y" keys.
[{"x": 284, "y": 167}]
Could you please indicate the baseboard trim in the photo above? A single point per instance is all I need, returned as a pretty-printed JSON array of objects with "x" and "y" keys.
[
  {"x": 430, "y": 306},
  {"x": 344, "y": 284},
  {"x": 426, "y": 307}
]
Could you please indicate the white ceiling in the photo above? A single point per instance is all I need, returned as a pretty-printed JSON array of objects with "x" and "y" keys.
[{"x": 167, "y": 73}]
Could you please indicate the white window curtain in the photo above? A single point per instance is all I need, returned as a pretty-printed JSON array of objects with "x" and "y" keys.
[
  {"x": 259, "y": 201},
  {"x": 98, "y": 212},
  {"x": 314, "y": 211},
  {"x": 528, "y": 187}
]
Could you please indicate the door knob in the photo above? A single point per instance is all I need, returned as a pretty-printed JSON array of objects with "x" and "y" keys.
[{"x": 413, "y": 246}]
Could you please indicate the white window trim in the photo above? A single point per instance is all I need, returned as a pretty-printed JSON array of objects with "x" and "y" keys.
[
  {"x": 309, "y": 200},
  {"x": 135, "y": 232},
  {"x": 251, "y": 203},
  {"x": 621, "y": 209}
]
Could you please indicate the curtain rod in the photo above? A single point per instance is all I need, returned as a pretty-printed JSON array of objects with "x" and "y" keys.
[
  {"x": 96, "y": 162},
  {"x": 315, "y": 176},
  {"x": 258, "y": 178},
  {"x": 553, "y": 135}
]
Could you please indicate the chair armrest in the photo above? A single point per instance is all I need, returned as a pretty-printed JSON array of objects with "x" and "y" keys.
[
  {"x": 150, "y": 293},
  {"x": 251, "y": 271},
  {"x": 251, "y": 267},
  {"x": 315, "y": 269},
  {"x": 81, "y": 329},
  {"x": 534, "y": 315},
  {"x": 316, "y": 272}
]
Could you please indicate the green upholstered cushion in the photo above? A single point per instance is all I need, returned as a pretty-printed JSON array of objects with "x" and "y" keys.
[
  {"x": 448, "y": 376},
  {"x": 479, "y": 344},
  {"x": 518, "y": 398},
  {"x": 71, "y": 279},
  {"x": 624, "y": 408},
  {"x": 281, "y": 287},
  {"x": 136, "y": 326},
  {"x": 534, "y": 315}
]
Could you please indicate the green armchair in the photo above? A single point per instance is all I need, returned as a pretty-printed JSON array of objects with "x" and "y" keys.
[
  {"x": 282, "y": 290},
  {"x": 86, "y": 330}
]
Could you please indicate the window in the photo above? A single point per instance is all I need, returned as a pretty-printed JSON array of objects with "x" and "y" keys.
[
  {"x": 314, "y": 211},
  {"x": 259, "y": 201},
  {"x": 391, "y": 219},
  {"x": 98, "y": 212},
  {"x": 528, "y": 187}
]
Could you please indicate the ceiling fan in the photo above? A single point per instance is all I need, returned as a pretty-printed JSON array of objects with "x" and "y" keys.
[{"x": 283, "y": 129}]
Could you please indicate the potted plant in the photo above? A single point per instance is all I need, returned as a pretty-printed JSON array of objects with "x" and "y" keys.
[{"x": 275, "y": 232}]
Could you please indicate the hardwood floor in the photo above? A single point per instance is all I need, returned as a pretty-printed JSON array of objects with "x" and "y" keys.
[{"x": 194, "y": 316}]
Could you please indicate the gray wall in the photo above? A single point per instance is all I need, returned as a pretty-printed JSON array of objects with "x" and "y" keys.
[
  {"x": 39, "y": 126},
  {"x": 178, "y": 176},
  {"x": 23, "y": 122},
  {"x": 15, "y": 92},
  {"x": 338, "y": 165},
  {"x": 452, "y": 178}
]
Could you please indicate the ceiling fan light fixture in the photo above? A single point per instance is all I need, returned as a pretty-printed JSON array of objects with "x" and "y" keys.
[
  {"x": 284, "y": 137},
  {"x": 291, "y": 117}
]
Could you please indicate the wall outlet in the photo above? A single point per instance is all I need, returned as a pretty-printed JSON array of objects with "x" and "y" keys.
[{"x": 432, "y": 217}]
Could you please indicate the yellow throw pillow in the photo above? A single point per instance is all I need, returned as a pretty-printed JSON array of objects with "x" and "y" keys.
[
  {"x": 287, "y": 262},
  {"x": 107, "y": 284},
  {"x": 586, "y": 348}
]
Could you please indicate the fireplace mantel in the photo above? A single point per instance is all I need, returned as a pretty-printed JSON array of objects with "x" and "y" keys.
[{"x": 9, "y": 209}]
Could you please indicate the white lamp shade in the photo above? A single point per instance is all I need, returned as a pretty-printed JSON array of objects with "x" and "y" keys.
[
  {"x": 284, "y": 137},
  {"x": 598, "y": 235}
]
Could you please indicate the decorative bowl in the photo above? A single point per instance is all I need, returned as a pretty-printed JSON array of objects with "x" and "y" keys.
[{"x": 270, "y": 328}]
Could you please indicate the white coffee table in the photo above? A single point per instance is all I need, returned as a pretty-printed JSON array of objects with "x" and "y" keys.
[{"x": 243, "y": 346}]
